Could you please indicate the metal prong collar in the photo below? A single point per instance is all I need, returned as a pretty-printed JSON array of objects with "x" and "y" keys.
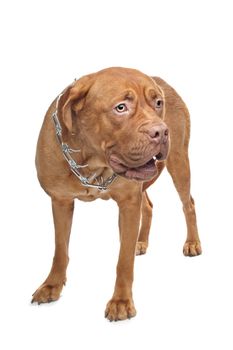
[{"x": 74, "y": 166}]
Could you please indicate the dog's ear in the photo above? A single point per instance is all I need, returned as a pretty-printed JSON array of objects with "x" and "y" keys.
[{"x": 74, "y": 94}]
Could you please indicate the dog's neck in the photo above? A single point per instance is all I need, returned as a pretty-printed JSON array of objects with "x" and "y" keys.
[
  {"x": 94, "y": 176},
  {"x": 97, "y": 169}
]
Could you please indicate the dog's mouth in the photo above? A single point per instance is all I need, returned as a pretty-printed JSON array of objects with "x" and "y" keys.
[{"x": 141, "y": 173}]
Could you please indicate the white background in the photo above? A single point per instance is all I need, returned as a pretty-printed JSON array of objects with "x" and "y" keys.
[{"x": 181, "y": 302}]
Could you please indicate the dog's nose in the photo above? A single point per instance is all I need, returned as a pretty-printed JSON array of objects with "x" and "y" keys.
[{"x": 159, "y": 133}]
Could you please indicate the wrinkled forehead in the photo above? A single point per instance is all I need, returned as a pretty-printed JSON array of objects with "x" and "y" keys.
[{"x": 117, "y": 82}]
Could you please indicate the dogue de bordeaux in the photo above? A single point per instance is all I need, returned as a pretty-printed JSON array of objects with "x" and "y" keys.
[{"x": 109, "y": 135}]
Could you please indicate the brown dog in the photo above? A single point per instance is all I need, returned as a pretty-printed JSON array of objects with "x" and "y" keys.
[{"x": 122, "y": 122}]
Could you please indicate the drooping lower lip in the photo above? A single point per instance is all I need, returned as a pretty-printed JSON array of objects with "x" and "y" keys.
[{"x": 142, "y": 173}]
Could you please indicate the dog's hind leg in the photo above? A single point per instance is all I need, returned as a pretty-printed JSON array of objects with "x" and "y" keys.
[
  {"x": 51, "y": 288},
  {"x": 179, "y": 169},
  {"x": 146, "y": 217}
]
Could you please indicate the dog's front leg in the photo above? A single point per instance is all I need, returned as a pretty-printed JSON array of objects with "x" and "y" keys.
[
  {"x": 51, "y": 288},
  {"x": 121, "y": 306}
]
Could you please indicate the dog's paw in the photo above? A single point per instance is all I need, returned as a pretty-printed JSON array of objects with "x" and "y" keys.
[
  {"x": 141, "y": 248},
  {"x": 192, "y": 248},
  {"x": 47, "y": 293},
  {"x": 118, "y": 309}
]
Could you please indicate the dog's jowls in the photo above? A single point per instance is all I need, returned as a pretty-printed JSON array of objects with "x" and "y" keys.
[{"x": 126, "y": 123}]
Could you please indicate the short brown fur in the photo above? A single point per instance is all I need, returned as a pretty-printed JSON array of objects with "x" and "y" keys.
[{"x": 90, "y": 124}]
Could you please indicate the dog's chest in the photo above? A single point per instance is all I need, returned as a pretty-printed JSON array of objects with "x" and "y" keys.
[{"x": 90, "y": 194}]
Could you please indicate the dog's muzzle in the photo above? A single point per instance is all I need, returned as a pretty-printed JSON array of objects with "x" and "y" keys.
[{"x": 146, "y": 166}]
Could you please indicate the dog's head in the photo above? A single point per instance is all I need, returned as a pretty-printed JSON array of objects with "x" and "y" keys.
[{"x": 117, "y": 115}]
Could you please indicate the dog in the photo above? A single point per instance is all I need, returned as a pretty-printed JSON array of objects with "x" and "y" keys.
[{"x": 109, "y": 135}]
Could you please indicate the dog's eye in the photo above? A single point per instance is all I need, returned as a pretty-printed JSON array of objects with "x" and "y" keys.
[
  {"x": 158, "y": 103},
  {"x": 121, "y": 108}
]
